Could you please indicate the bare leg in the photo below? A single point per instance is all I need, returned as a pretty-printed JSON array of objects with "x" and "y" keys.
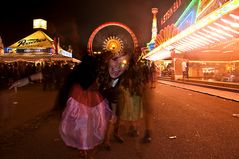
[
  {"x": 133, "y": 130},
  {"x": 148, "y": 125},
  {"x": 116, "y": 132},
  {"x": 90, "y": 154},
  {"x": 108, "y": 134}
]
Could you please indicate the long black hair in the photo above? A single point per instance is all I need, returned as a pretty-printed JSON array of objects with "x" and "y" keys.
[{"x": 84, "y": 74}]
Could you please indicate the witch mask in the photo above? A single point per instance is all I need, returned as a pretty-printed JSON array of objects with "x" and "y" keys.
[{"x": 118, "y": 65}]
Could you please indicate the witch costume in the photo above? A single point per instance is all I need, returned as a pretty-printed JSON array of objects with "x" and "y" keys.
[{"x": 86, "y": 113}]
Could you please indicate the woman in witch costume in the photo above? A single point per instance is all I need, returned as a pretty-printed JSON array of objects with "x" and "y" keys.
[
  {"x": 85, "y": 111},
  {"x": 117, "y": 65}
]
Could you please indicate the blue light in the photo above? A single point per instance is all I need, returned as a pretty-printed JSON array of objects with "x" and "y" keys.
[{"x": 189, "y": 18}]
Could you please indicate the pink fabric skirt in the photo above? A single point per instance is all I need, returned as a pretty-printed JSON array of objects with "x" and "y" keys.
[{"x": 84, "y": 127}]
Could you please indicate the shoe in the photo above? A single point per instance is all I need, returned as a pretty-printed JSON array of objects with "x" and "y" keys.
[
  {"x": 106, "y": 147},
  {"x": 134, "y": 133},
  {"x": 146, "y": 139},
  {"x": 118, "y": 138},
  {"x": 83, "y": 154}
]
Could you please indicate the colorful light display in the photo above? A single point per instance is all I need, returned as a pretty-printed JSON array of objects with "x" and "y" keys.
[
  {"x": 171, "y": 10},
  {"x": 151, "y": 44},
  {"x": 116, "y": 41},
  {"x": 188, "y": 16},
  {"x": 216, "y": 27}
]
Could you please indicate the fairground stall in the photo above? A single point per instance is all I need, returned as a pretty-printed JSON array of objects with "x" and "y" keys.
[
  {"x": 35, "y": 53},
  {"x": 202, "y": 42},
  {"x": 36, "y": 47}
]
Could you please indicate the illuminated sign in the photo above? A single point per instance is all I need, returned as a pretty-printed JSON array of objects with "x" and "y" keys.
[
  {"x": 201, "y": 34},
  {"x": 170, "y": 12},
  {"x": 39, "y": 24},
  {"x": 29, "y": 42},
  {"x": 65, "y": 53},
  {"x": 38, "y": 50}
]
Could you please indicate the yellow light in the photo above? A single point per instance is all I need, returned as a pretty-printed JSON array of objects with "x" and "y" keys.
[
  {"x": 163, "y": 54},
  {"x": 226, "y": 28},
  {"x": 123, "y": 63},
  {"x": 199, "y": 36},
  {"x": 220, "y": 31},
  {"x": 212, "y": 61},
  {"x": 234, "y": 16},
  {"x": 210, "y": 18},
  {"x": 112, "y": 46},
  {"x": 183, "y": 45},
  {"x": 199, "y": 40},
  {"x": 210, "y": 51},
  {"x": 194, "y": 42},
  {"x": 235, "y": 25},
  {"x": 205, "y": 8},
  {"x": 39, "y": 23},
  {"x": 208, "y": 36},
  {"x": 228, "y": 51},
  {"x": 214, "y": 34}
]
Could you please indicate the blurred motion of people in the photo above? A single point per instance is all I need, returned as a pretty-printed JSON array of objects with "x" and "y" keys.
[{"x": 152, "y": 74}]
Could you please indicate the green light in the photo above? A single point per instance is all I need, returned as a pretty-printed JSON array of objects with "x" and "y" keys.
[{"x": 192, "y": 3}]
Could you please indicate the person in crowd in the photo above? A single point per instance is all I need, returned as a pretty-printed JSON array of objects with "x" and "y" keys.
[
  {"x": 147, "y": 105},
  {"x": 47, "y": 72},
  {"x": 117, "y": 65},
  {"x": 57, "y": 74},
  {"x": 152, "y": 71},
  {"x": 84, "y": 112},
  {"x": 131, "y": 100}
]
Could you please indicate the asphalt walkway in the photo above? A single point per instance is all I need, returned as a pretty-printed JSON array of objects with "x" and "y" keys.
[
  {"x": 185, "y": 126},
  {"x": 211, "y": 91}
]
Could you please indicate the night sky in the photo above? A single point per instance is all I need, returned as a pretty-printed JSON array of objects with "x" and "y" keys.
[{"x": 74, "y": 20}]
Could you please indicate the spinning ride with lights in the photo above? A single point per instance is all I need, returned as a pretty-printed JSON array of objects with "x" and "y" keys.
[
  {"x": 113, "y": 44},
  {"x": 112, "y": 36}
]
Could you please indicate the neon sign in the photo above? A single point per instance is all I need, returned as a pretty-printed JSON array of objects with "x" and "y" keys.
[{"x": 171, "y": 10}]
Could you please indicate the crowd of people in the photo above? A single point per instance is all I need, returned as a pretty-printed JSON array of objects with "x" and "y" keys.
[
  {"x": 53, "y": 72},
  {"x": 99, "y": 95}
]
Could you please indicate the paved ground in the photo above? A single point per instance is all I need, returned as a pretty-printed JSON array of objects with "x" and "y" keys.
[
  {"x": 232, "y": 95},
  {"x": 27, "y": 103},
  {"x": 203, "y": 125}
]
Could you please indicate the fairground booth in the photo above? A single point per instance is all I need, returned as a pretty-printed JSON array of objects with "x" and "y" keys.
[
  {"x": 199, "y": 39},
  {"x": 37, "y": 47}
]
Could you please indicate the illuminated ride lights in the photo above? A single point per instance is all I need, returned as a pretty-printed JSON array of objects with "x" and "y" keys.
[
  {"x": 113, "y": 44},
  {"x": 216, "y": 27}
]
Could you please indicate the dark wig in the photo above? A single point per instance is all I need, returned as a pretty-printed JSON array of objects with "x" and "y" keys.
[{"x": 84, "y": 74}]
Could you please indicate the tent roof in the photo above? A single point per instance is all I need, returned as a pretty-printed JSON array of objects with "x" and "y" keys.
[
  {"x": 36, "y": 57},
  {"x": 36, "y": 40}
]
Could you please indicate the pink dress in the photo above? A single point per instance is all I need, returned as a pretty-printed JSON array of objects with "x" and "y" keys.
[{"x": 85, "y": 118}]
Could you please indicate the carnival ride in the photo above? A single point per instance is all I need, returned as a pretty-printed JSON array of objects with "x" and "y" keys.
[{"x": 112, "y": 36}]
